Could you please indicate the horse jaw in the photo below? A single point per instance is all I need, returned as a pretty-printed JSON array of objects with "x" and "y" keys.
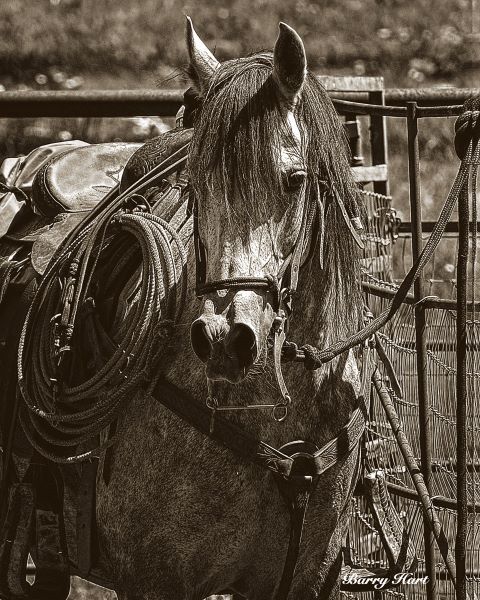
[
  {"x": 289, "y": 63},
  {"x": 202, "y": 62}
]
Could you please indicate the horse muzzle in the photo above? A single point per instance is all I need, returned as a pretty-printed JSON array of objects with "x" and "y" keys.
[{"x": 228, "y": 345}]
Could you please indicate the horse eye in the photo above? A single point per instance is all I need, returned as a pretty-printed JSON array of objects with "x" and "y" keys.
[{"x": 295, "y": 180}]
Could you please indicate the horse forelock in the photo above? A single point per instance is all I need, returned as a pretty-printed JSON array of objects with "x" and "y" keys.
[{"x": 238, "y": 137}]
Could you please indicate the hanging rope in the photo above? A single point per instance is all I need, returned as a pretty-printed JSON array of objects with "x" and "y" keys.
[
  {"x": 467, "y": 136},
  {"x": 467, "y": 127}
]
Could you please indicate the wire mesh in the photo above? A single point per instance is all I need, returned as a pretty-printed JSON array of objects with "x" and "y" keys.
[{"x": 384, "y": 263}]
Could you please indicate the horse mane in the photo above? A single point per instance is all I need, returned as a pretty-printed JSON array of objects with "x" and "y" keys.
[{"x": 238, "y": 134}]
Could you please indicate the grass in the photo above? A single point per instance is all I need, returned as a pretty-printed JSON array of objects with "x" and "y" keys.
[{"x": 372, "y": 36}]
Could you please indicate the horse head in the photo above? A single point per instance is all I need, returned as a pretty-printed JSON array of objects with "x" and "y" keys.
[{"x": 263, "y": 140}]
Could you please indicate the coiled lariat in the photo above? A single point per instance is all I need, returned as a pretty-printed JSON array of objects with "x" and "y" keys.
[{"x": 77, "y": 366}]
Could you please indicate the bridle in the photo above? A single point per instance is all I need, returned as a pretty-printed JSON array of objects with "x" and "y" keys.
[
  {"x": 281, "y": 286},
  {"x": 271, "y": 283},
  {"x": 311, "y": 226},
  {"x": 281, "y": 294}
]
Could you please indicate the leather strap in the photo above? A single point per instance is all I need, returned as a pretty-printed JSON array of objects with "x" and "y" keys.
[
  {"x": 7, "y": 269},
  {"x": 296, "y": 492},
  {"x": 15, "y": 540},
  {"x": 271, "y": 282},
  {"x": 353, "y": 224},
  {"x": 10, "y": 399},
  {"x": 307, "y": 220},
  {"x": 52, "y": 571},
  {"x": 296, "y": 465},
  {"x": 34, "y": 518},
  {"x": 86, "y": 517},
  {"x": 249, "y": 448}
]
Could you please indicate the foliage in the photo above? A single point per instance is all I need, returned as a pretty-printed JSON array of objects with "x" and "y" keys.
[{"x": 387, "y": 37}]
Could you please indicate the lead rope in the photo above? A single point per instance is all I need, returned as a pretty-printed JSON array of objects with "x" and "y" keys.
[{"x": 466, "y": 143}]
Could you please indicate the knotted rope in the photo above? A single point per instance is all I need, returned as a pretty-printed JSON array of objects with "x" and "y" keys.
[
  {"x": 467, "y": 126},
  {"x": 467, "y": 133}
]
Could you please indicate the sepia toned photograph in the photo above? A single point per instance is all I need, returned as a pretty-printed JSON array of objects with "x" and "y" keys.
[{"x": 239, "y": 300}]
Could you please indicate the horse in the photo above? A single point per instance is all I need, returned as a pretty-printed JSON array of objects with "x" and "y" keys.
[{"x": 180, "y": 516}]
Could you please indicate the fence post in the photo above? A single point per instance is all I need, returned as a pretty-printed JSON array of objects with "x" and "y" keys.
[
  {"x": 378, "y": 140},
  {"x": 461, "y": 392},
  {"x": 420, "y": 338}
]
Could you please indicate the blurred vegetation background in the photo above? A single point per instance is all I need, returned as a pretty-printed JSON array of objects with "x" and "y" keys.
[
  {"x": 404, "y": 41},
  {"x": 75, "y": 44}
]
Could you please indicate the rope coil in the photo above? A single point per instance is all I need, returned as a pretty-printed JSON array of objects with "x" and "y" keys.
[{"x": 86, "y": 398}]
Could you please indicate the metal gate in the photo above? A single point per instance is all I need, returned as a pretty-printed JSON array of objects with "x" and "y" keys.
[{"x": 433, "y": 344}]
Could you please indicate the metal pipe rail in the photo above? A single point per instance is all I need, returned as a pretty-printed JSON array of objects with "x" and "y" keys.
[
  {"x": 90, "y": 103},
  {"x": 165, "y": 103}
]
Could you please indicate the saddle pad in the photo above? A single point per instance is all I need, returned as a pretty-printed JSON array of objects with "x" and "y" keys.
[{"x": 78, "y": 179}]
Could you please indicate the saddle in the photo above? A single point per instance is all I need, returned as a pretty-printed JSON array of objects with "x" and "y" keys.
[
  {"x": 64, "y": 189},
  {"x": 17, "y": 175},
  {"x": 76, "y": 181},
  {"x": 67, "y": 186}
]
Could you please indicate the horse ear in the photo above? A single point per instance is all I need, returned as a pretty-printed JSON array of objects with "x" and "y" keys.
[
  {"x": 202, "y": 62},
  {"x": 289, "y": 63}
]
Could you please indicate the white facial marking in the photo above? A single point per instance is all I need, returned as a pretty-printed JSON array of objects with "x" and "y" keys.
[
  {"x": 290, "y": 154},
  {"x": 294, "y": 126}
]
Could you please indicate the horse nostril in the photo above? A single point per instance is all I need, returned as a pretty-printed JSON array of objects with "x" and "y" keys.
[
  {"x": 241, "y": 344},
  {"x": 201, "y": 344}
]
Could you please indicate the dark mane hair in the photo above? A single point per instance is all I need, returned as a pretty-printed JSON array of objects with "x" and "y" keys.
[{"x": 238, "y": 134}]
